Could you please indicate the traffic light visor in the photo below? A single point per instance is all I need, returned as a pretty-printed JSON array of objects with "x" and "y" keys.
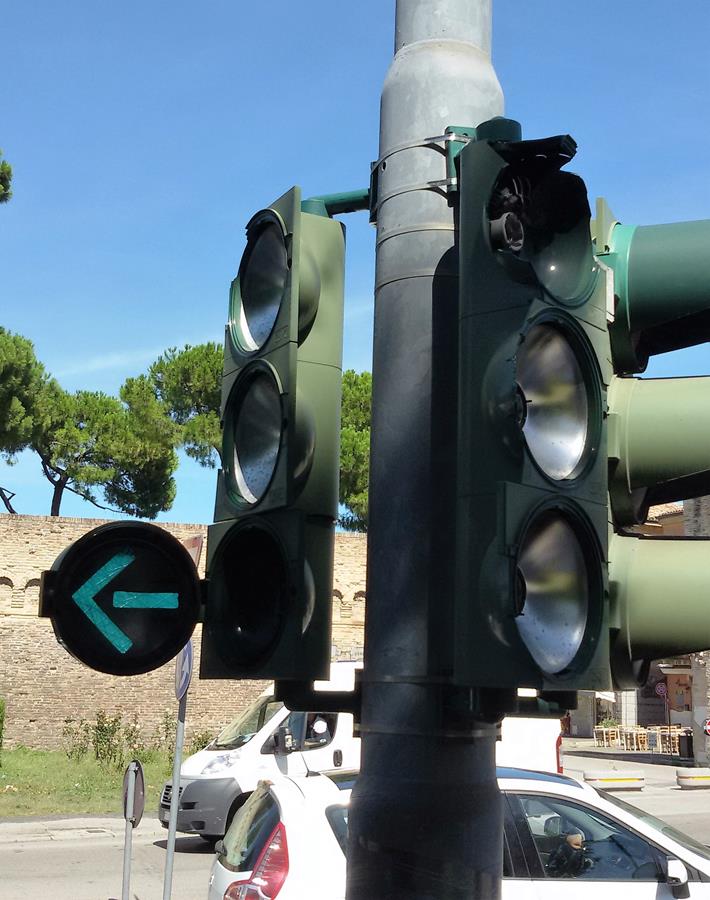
[
  {"x": 554, "y": 406},
  {"x": 552, "y": 595},
  {"x": 252, "y": 433},
  {"x": 261, "y": 284}
]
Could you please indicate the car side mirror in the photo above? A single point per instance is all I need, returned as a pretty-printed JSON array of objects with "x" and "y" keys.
[
  {"x": 677, "y": 878},
  {"x": 553, "y": 826},
  {"x": 219, "y": 848}
]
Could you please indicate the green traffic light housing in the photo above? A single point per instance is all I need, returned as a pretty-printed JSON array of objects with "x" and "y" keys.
[
  {"x": 661, "y": 286},
  {"x": 659, "y": 435},
  {"x": 659, "y": 602},
  {"x": 531, "y": 598},
  {"x": 270, "y": 549}
]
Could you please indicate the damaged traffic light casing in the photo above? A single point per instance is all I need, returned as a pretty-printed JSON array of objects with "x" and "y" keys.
[{"x": 531, "y": 599}]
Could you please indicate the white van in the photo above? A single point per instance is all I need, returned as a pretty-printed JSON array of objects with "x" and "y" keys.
[{"x": 267, "y": 739}]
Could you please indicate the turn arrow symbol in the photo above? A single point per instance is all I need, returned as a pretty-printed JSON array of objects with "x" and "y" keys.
[{"x": 85, "y": 599}]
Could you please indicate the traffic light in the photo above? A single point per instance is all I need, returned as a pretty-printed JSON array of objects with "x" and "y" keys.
[
  {"x": 659, "y": 440},
  {"x": 531, "y": 606},
  {"x": 270, "y": 549}
]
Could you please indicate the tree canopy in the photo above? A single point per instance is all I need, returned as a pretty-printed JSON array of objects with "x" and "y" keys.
[
  {"x": 22, "y": 378},
  {"x": 120, "y": 451},
  {"x": 5, "y": 179},
  {"x": 355, "y": 449},
  {"x": 188, "y": 383}
]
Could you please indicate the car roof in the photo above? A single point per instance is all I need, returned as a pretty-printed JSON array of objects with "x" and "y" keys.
[
  {"x": 508, "y": 772},
  {"x": 346, "y": 778}
]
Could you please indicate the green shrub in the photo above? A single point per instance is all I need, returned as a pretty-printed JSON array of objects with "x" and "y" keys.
[
  {"x": 76, "y": 738},
  {"x": 114, "y": 741},
  {"x": 164, "y": 735},
  {"x": 107, "y": 739},
  {"x": 609, "y": 723},
  {"x": 198, "y": 741}
]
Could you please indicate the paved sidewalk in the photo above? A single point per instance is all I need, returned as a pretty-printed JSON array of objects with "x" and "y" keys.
[
  {"x": 573, "y": 746},
  {"x": 76, "y": 828}
]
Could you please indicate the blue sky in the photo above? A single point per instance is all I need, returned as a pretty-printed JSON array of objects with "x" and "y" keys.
[{"x": 144, "y": 135}]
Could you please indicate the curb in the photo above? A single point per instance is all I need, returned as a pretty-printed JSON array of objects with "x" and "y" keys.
[
  {"x": 615, "y": 780},
  {"x": 693, "y": 779}
]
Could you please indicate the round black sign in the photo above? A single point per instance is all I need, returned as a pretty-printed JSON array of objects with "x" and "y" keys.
[{"x": 123, "y": 599}]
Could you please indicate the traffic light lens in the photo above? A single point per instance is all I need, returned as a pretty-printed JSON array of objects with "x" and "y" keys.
[
  {"x": 553, "y": 590},
  {"x": 262, "y": 282},
  {"x": 555, "y": 419},
  {"x": 257, "y": 425},
  {"x": 249, "y": 596}
]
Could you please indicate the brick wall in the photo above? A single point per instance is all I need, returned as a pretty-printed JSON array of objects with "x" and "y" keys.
[{"x": 42, "y": 685}]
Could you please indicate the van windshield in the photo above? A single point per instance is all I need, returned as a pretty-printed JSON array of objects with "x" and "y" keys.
[{"x": 243, "y": 729}]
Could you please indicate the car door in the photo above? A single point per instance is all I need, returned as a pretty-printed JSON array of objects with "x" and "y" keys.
[
  {"x": 517, "y": 881},
  {"x": 574, "y": 852},
  {"x": 320, "y": 751}
]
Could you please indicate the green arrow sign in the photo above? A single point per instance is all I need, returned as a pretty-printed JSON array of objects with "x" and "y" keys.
[{"x": 85, "y": 599}]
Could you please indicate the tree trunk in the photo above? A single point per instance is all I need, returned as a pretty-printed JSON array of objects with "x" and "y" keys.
[
  {"x": 57, "y": 496},
  {"x": 6, "y": 497}
]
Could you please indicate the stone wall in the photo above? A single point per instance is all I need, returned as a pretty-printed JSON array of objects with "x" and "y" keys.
[{"x": 43, "y": 686}]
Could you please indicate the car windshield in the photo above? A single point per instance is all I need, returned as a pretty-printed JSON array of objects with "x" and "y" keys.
[
  {"x": 678, "y": 836},
  {"x": 243, "y": 729}
]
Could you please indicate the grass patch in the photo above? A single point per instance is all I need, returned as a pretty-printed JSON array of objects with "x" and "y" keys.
[{"x": 41, "y": 782}]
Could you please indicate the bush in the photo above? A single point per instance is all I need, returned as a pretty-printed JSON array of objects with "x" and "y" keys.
[
  {"x": 107, "y": 740},
  {"x": 198, "y": 741},
  {"x": 609, "y": 723},
  {"x": 114, "y": 741},
  {"x": 76, "y": 738}
]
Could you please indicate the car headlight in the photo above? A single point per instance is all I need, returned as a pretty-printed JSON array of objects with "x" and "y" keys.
[{"x": 220, "y": 763}]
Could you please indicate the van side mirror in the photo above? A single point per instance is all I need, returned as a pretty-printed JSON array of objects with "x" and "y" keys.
[
  {"x": 283, "y": 740},
  {"x": 677, "y": 878}
]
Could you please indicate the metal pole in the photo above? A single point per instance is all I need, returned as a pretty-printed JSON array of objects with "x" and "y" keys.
[
  {"x": 426, "y": 817},
  {"x": 128, "y": 838},
  {"x": 174, "y": 798}
]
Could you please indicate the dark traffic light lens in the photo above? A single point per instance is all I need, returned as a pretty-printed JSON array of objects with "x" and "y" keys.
[
  {"x": 555, "y": 420},
  {"x": 249, "y": 596},
  {"x": 262, "y": 281},
  {"x": 553, "y": 586},
  {"x": 256, "y": 424}
]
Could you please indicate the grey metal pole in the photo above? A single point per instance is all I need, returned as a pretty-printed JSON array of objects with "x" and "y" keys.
[
  {"x": 426, "y": 816},
  {"x": 128, "y": 838},
  {"x": 175, "y": 798}
]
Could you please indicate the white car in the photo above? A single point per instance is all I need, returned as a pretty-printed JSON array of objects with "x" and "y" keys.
[
  {"x": 270, "y": 847},
  {"x": 562, "y": 839}
]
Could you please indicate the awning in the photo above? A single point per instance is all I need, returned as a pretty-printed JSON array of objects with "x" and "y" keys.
[{"x": 609, "y": 696}]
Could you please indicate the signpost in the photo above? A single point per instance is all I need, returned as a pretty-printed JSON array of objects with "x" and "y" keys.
[
  {"x": 183, "y": 674},
  {"x": 123, "y": 599},
  {"x": 133, "y": 806}
]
